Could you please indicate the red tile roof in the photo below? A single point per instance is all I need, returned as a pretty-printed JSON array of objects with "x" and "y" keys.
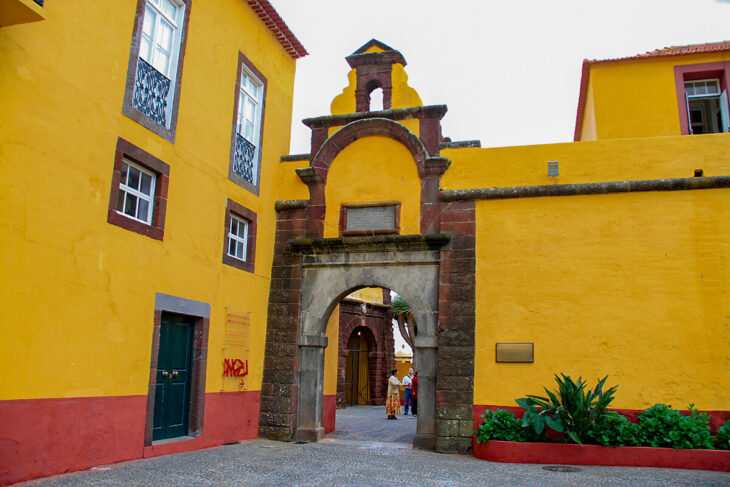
[
  {"x": 667, "y": 51},
  {"x": 274, "y": 22}
]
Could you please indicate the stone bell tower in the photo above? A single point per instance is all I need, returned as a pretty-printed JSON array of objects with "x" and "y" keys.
[{"x": 373, "y": 64}]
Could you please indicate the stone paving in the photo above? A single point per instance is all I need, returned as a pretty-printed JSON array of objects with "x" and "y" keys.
[{"x": 366, "y": 450}]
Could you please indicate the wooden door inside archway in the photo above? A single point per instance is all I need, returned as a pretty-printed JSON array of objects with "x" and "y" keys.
[{"x": 357, "y": 371}]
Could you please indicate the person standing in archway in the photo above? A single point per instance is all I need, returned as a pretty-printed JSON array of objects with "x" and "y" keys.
[
  {"x": 414, "y": 392},
  {"x": 407, "y": 383},
  {"x": 392, "y": 403}
]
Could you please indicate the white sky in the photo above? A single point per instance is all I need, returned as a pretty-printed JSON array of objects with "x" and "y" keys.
[{"x": 509, "y": 71}]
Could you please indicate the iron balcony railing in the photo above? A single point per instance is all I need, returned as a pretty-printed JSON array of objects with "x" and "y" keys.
[
  {"x": 150, "y": 92},
  {"x": 243, "y": 159}
]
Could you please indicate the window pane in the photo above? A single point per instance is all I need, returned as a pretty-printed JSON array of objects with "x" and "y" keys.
[
  {"x": 250, "y": 109},
  {"x": 161, "y": 61},
  {"x": 143, "y": 210},
  {"x": 168, "y": 8},
  {"x": 689, "y": 89},
  {"x": 164, "y": 36},
  {"x": 241, "y": 230},
  {"x": 124, "y": 174},
  {"x": 131, "y": 206},
  {"x": 700, "y": 89},
  {"x": 133, "y": 181},
  {"x": 146, "y": 184},
  {"x": 239, "y": 250},
  {"x": 149, "y": 21},
  {"x": 248, "y": 132},
  {"x": 120, "y": 201},
  {"x": 234, "y": 226}
]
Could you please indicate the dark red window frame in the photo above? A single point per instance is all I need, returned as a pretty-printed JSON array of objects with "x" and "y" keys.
[
  {"x": 127, "y": 150},
  {"x": 690, "y": 72},
  {"x": 243, "y": 213}
]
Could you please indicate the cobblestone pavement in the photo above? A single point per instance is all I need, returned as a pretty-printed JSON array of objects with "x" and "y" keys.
[{"x": 366, "y": 450}]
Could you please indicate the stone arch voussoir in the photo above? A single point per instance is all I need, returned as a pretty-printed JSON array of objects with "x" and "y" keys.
[{"x": 368, "y": 127}]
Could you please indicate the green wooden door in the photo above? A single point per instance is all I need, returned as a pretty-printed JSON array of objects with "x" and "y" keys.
[{"x": 172, "y": 392}]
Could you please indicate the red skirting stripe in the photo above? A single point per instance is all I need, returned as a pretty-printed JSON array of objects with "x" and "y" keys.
[
  {"x": 515, "y": 452},
  {"x": 329, "y": 411},
  {"x": 42, "y": 437}
]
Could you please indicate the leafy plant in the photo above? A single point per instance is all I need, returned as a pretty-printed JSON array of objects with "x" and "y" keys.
[
  {"x": 500, "y": 425},
  {"x": 722, "y": 439},
  {"x": 662, "y": 426},
  {"x": 570, "y": 409},
  {"x": 400, "y": 306},
  {"x": 614, "y": 429}
]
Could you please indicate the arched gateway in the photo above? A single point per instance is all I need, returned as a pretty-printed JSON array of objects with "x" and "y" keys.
[{"x": 401, "y": 238}]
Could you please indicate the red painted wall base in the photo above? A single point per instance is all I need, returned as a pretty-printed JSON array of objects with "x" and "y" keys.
[
  {"x": 515, "y": 452},
  {"x": 41, "y": 437},
  {"x": 329, "y": 412}
]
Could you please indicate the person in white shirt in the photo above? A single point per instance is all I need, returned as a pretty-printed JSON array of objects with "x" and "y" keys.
[{"x": 407, "y": 383}]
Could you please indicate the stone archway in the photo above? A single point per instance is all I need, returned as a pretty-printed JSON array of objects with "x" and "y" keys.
[{"x": 408, "y": 265}]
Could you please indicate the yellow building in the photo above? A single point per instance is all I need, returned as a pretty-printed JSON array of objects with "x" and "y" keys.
[
  {"x": 604, "y": 256},
  {"x": 133, "y": 327},
  {"x": 139, "y": 160}
]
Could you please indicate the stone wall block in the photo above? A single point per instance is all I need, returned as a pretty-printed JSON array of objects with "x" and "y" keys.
[
  {"x": 455, "y": 382},
  {"x": 447, "y": 427}
]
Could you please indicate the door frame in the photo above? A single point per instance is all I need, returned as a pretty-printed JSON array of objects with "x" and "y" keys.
[{"x": 200, "y": 312}]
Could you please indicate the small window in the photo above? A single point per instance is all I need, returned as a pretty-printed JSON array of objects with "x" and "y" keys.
[
  {"x": 702, "y": 97},
  {"x": 238, "y": 238},
  {"x": 136, "y": 192},
  {"x": 138, "y": 198},
  {"x": 155, "y": 66},
  {"x": 245, "y": 163},
  {"x": 706, "y": 106},
  {"x": 239, "y": 249}
]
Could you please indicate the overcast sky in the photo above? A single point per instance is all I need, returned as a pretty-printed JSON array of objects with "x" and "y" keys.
[{"x": 509, "y": 71}]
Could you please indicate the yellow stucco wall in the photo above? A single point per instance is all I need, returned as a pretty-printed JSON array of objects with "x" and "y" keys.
[
  {"x": 331, "y": 353},
  {"x": 373, "y": 169},
  {"x": 368, "y": 295},
  {"x": 588, "y": 162},
  {"x": 634, "y": 286},
  {"x": 78, "y": 293},
  {"x": 588, "y": 131},
  {"x": 638, "y": 98}
]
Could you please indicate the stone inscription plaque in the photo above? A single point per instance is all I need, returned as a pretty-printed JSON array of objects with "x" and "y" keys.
[{"x": 370, "y": 218}]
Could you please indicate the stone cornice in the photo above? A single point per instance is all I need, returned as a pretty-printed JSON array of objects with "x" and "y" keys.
[
  {"x": 429, "y": 111},
  {"x": 432, "y": 241},
  {"x": 676, "y": 184}
]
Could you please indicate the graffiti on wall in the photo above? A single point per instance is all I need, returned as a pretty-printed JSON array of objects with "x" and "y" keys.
[{"x": 235, "y": 350}]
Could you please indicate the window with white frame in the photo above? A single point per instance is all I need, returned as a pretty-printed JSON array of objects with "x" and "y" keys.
[
  {"x": 248, "y": 127},
  {"x": 155, "y": 67},
  {"x": 238, "y": 238},
  {"x": 707, "y": 106},
  {"x": 136, "y": 192},
  {"x": 159, "y": 32}
]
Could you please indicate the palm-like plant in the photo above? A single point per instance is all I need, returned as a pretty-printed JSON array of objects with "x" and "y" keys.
[
  {"x": 406, "y": 321},
  {"x": 570, "y": 409}
]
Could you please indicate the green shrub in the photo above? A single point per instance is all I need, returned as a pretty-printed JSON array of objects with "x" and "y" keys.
[
  {"x": 570, "y": 409},
  {"x": 722, "y": 439},
  {"x": 614, "y": 429},
  {"x": 662, "y": 426},
  {"x": 500, "y": 425}
]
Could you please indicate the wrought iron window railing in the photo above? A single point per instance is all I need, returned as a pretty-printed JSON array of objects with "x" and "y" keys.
[
  {"x": 243, "y": 159},
  {"x": 150, "y": 92}
]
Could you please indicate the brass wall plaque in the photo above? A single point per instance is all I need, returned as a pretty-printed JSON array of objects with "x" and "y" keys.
[{"x": 515, "y": 353}]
